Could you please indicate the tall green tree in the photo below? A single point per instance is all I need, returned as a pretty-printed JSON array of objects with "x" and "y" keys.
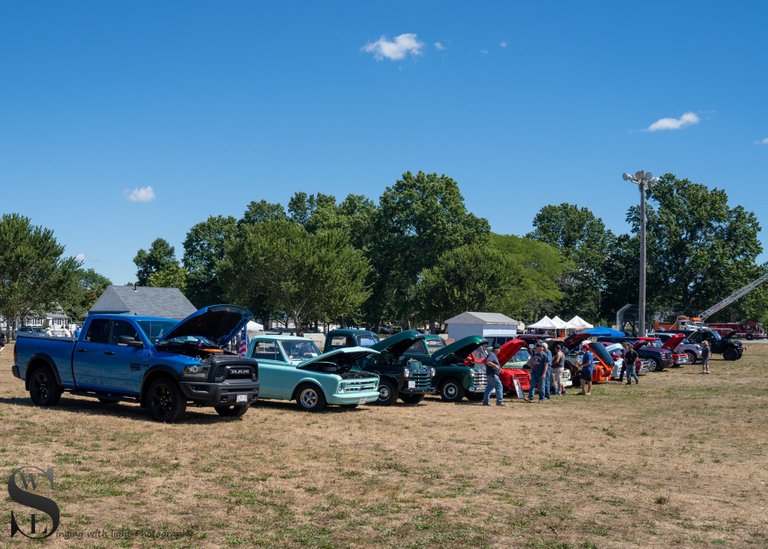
[
  {"x": 34, "y": 273},
  {"x": 160, "y": 256},
  {"x": 87, "y": 287},
  {"x": 172, "y": 276},
  {"x": 700, "y": 249},
  {"x": 311, "y": 276},
  {"x": 262, "y": 211},
  {"x": 420, "y": 217},
  {"x": 537, "y": 267},
  {"x": 583, "y": 239},
  {"x": 203, "y": 249}
]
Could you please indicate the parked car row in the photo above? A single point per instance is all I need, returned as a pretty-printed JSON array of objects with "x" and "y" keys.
[{"x": 166, "y": 365}]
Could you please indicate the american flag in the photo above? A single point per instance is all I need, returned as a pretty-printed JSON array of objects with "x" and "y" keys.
[{"x": 242, "y": 347}]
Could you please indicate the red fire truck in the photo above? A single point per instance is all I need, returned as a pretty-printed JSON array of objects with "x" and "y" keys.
[{"x": 739, "y": 330}]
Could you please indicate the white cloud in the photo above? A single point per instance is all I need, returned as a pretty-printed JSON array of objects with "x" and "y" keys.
[
  {"x": 503, "y": 44},
  {"x": 439, "y": 46},
  {"x": 484, "y": 52},
  {"x": 140, "y": 194},
  {"x": 395, "y": 50},
  {"x": 80, "y": 257},
  {"x": 763, "y": 141},
  {"x": 687, "y": 119}
]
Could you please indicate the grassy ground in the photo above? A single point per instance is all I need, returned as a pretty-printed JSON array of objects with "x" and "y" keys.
[{"x": 679, "y": 460}]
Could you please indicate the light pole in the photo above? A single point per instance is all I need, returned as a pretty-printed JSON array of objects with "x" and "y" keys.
[{"x": 643, "y": 180}]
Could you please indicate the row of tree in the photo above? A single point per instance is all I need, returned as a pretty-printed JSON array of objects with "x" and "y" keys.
[{"x": 419, "y": 256}]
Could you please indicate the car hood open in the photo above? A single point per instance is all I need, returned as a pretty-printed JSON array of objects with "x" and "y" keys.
[
  {"x": 399, "y": 343},
  {"x": 459, "y": 349},
  {"x": 218, "y": 323},
  {"x": 508, "y": 350},
  {"x": 572, "y": 341},
  {"x": 673, "y": 342},
  {"x": 343, "y": 358}
]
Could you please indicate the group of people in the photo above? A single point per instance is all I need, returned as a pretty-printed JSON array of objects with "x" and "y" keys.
[
  {"x": 547, "y": 371},
  {"x": 546, "y": 374}
]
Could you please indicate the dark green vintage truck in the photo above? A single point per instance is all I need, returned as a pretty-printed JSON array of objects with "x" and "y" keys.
[
  {"x": 401, "y": 376},
  {"x": 455, "y": 376}
]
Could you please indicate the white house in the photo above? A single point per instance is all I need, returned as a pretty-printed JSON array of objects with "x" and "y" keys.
[{"x": 482, "y": 324}]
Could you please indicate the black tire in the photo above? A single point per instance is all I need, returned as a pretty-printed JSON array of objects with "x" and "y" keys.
[
  {"x": 474, "y": 397},
  {"x": 659, "y": 365},
  {"x": 310, "y": 398},
  {"x": 691, "y": 356},
  {"x": 388, "y": 393},
  {"x": 451, "y": 390},
  {"x": 731, "y": 353},
  {"x": 232, "y": 410},
  {"x": 411, "y": 399},
  {"x": 165, "y": 401},
  {"x": 43, "y": 389}
]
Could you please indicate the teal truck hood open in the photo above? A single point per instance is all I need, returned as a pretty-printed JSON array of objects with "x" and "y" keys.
[
  {"x": 399, "y": 343},
  {"x": 217, "y": 323},
  {"x": 341, "y": 359}
]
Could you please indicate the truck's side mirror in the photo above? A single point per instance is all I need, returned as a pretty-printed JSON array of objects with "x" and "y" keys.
[{"x": 129, "y": 341}]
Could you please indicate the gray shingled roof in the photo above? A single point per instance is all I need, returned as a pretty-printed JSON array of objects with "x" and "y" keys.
[
  {"x": 143, "y": 300},
  {"x": 471, "y": 317}
]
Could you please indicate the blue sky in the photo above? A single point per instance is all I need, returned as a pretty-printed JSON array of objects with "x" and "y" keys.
[{"x": 215, "y": 104}]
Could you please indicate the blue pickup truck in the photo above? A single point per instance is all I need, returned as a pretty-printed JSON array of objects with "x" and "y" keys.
[{"x": 161, "y": 363}]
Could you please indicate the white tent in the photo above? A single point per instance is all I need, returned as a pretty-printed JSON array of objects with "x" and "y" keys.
[
  {"x": 578, "y": 323},
  {"x": 559, "y": 323},
  {"x": 254, "y": 328},
  {"x": 543, "y": 324}
]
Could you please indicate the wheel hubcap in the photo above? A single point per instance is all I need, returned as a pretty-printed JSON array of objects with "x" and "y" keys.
[
  {"x": 163, "y": 399},
  {"x": 450, "y": 391},
  {"x": 309, "y": 398},
  {"x": 383, "y": 392}
]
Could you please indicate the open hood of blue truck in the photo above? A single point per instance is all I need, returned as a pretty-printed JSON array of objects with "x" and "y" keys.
[{"x": 217, "y": 323}]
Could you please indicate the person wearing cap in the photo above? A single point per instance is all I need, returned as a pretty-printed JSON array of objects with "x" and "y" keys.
[
  {"x": 628, "y": 365},
  {"x": 705, "y": 352},
  {"x": 587, "y": 367},
  {"x": 538, "y": 363},
  {"x": 492, "y": 370}
]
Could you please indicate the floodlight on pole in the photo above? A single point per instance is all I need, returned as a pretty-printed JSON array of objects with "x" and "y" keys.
[{"x": 643, "y": 180}]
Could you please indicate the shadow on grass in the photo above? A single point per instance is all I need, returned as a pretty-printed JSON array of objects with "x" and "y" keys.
[{"x": 123, "y": 409}]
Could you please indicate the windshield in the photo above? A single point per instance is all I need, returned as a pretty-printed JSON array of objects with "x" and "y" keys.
[
  {"x": 653, "y": 343},
  {"x": 716, "y": 335},
  {"x": 521, "y": 355},
  {"x": 367, "y": 340},
  {"x": 199, "y": 341},
  {"x": 434, "y": 344},
  {"x": 155, "y": 329},
  {"x": 301, "y": 350}
]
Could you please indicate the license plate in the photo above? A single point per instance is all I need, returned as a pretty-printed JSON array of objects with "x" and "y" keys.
[
  {"x": 362, "y": 401},
  {"x": 242, "y": 398},
  {"x": 411, "y": 384}
]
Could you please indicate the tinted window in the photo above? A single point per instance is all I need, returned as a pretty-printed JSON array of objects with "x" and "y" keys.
[
  {"x": 122, "y": 328},
  {"x": 367, "y": 341},
  {"x": 434, "y": 344},
  {"x": 98, "y": 331}
]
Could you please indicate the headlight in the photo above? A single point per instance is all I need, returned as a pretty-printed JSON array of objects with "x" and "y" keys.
[
  {"x": 471, "y": 373},
  {"x": 406, "y": 373},
  {"x": 432, "y": 372},
  {"x": 197, "y": 371}
]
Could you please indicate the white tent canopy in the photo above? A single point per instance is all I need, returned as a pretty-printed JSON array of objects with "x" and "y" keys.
[
  {"x": 544, "y": 324},
  {"x": 578, "y": 323},
  {"x": 559, "y": 323},
  {"x": 254, "y": 328}
]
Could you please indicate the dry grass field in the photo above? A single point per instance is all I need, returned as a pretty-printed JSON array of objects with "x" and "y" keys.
[{"x": 678, "y": 460}]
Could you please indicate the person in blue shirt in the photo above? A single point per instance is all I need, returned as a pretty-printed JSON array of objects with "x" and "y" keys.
[
  {"x": 547, "y": 370},
  {"x": 493, "y": 369},
  {"x": 587, "y": 367}
]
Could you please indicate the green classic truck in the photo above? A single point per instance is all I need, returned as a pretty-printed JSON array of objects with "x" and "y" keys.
[
  {"x": 453, "y": 378},
  {"x": 400, "y": 376}
]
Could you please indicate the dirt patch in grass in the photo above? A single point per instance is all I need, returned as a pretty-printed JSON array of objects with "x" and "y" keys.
[{"x": 677, "y": 460}]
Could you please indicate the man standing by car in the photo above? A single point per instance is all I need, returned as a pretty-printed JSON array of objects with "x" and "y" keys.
[
  {"x": 558, "y": 365},
  {"x": 587, "y": 367},
  {"x": 630, "y": 358},
  {"x": 705, "y": 352},
  {"x": 538, "y": 363},
  {"x": 492, "y": 370}
]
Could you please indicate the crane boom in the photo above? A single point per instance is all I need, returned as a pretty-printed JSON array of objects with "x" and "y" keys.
[{"x": 733, "y": 297}]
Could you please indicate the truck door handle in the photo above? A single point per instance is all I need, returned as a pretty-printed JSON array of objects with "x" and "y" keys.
[
  {"x": 109, "y": 352},
  {"x": 82, "y": 350}
]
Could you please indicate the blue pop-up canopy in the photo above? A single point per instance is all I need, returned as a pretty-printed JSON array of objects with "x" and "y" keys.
[{"x": 603, "y": 331}]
